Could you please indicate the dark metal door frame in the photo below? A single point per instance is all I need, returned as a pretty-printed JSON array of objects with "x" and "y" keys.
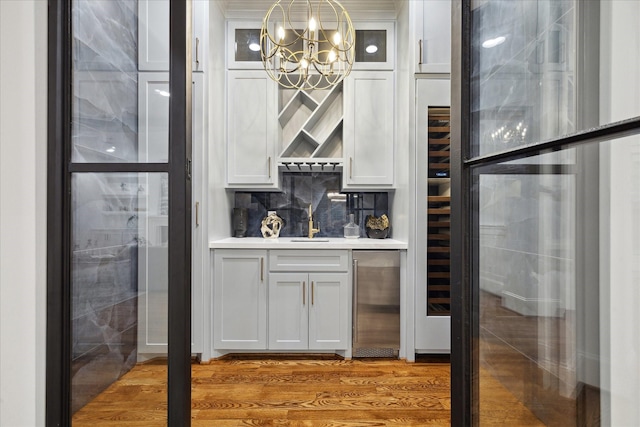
[{"x": 59, "y": 170}]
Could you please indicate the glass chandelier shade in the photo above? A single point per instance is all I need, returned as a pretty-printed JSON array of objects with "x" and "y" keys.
[{"x": 315, "y": 54}]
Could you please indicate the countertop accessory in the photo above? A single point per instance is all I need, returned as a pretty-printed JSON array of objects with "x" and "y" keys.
[
  {"x": 351, "y": 230},
  {"x": 271, "y": 226},
  {"x": 240, "y": 219},
  {"x": 377, "y": 228}
]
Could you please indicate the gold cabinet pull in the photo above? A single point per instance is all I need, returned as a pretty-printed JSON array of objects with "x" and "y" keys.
[
  {"x": 269, "y": 160},
  {"x": 197, "y": 214},
  {"x": 197, "y": 56},
  {"x": 350, "y": 167},
  {"x": 312, "y": 293},
  {"x": 304, "y": 293},
  {"x": 420, "y": 52},
  {"x": 262, "y": 269}
]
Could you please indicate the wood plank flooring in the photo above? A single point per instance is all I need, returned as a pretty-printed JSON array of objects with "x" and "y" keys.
[{"x": 295, "y": 391}]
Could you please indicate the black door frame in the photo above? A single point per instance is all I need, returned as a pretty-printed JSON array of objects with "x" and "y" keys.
[{"x": 59, "y": 170}]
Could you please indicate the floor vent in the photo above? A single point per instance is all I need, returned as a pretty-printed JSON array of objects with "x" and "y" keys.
[{"x": 375, "y": 352}]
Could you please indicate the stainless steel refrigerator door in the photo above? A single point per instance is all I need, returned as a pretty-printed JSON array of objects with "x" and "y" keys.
[{"x": 376, "y": 302}]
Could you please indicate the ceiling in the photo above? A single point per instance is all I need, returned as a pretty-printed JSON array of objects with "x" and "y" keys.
[{"x": 358, "y": 9}]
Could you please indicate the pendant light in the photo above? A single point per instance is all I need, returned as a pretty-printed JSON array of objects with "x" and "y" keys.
[{"x": 307, "y": 44}]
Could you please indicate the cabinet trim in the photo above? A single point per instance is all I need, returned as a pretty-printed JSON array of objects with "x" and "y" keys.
[{"x": 309, "y": 260}]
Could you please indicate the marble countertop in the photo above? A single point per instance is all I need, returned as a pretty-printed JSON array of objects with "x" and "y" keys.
[{"x": 304, "y": 243}]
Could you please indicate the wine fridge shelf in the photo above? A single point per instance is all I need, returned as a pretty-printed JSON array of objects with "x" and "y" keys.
[
  {"x": 439, "y": 142},
  {"x": 439, "y": 214}
]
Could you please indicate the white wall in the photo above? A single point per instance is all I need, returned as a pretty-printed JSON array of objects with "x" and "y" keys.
[
  {"x": 23, "y": 143},
  {"x": 401, "y": 214},
  {"x": 620, "y": 209},
  {"x": 219, "y": 197}
]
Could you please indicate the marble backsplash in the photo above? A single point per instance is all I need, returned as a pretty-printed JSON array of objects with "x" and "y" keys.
[{"x": 330, "y": 206}]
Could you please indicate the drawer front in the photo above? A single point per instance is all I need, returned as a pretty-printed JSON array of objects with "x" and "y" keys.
[{"x": 309, "y": 260}]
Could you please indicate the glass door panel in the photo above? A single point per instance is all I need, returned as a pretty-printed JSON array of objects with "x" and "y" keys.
[
  {"x": 554, "y": 236},
  {"x": 119, "y": 213},
  {"x": 527, "y": 297},
  {"x": 558, "y": 279},
  {"x": 107, "y": 104},
  {"x": 524, "y": 67},
  {"x": 118, "y": 295}
]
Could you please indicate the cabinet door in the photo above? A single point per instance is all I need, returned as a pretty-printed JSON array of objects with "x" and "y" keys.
[
  {"x": 369, "y": 130},
  {"x": 243, "y": 45},
  {"x": 251, "y": 130},
  {"x": 153, "y": 110},
  {"x": 199, "y": 45},
  {"x": 240, "y": 300},
  {"x": 435, "y": 37},
  {"x": 288, "y": 311},
  {"x": 329, "y": 311},
  {"x": 153, "y": 117},
  {"x": 200, "y": 243},
  {"x": 153, "y": 35}
]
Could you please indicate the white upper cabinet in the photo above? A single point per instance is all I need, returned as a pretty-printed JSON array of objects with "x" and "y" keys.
[
  {"x": 434, "y": 36},
  {"x": 251, "y": 130},
  {"x": 243, "y": 45},
  {"x": 369, "y": 130},
  {"x": 375, "y": 46},
  {"x": 351, "y": 125},
  {"x": 153, "y": 35}
]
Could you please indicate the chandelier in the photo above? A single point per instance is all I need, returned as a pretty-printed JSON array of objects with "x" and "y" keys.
[{"x": 315, "y": 54}]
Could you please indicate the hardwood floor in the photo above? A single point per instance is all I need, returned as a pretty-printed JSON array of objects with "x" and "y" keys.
[{"x": 295, "y": 391}]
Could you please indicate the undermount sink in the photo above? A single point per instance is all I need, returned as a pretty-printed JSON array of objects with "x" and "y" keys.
[{"x": 306, "y": 239}]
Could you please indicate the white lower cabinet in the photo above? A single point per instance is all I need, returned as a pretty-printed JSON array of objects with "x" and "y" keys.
[
  {"x": 281, "y": 300},
  {"x": 308, "y": 311},
  {"x": 240, "y": 300}
]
